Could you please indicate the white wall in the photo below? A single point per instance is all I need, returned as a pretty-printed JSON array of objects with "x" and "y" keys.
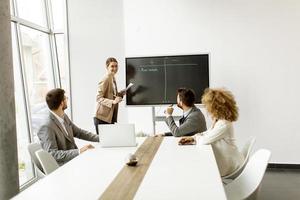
[
  {"x": 96, "y": 32},
  {"x": 253, "y": 45},
  {"x": 254, "y": 48}
]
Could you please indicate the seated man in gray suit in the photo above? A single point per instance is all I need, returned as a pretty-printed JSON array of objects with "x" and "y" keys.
[
  {"x": 193, "y": 120},
  {"x": 58, "y": 132}
]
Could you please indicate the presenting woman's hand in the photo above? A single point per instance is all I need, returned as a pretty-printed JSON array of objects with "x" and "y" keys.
[
  {"x": 121, "y": 93},
  {"x": 117, "y": 100}
]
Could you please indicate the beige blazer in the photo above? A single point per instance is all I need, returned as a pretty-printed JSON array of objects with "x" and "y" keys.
[
  {"x": 221, "y": 137},
  {"x": 104, "y": 100}
]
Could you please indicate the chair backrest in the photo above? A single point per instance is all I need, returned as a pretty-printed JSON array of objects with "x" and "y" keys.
[
  {"x": 246, "y": 185},
  {"x": 246, "y": 151},
  {"x": 48, "y": 163},
  {"x": 248, "y": 146},
  {"x": 32, "y": 148}
]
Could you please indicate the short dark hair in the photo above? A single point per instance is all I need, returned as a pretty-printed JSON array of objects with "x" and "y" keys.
[
  {"x": 109, "y": 60},
  {"x": 54, "y": 98},
  {"x": 187, "y": 96}
]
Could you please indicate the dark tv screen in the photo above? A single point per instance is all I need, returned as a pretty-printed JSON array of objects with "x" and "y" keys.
[{"x": 156, "y": 79}]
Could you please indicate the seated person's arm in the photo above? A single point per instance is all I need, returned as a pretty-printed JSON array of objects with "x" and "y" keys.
[
  {"x": 187, "y": 128},
  {"x": 48, "y": 142},
  {"x": 211, "y": 135},
  {"x": 167, "y": 122},
  {"x": 82, "y": 134}
]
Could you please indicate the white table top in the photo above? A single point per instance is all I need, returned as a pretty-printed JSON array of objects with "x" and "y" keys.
[
  {"x": 176, "y": 172},
  {"x": 84, "y": 177},
  {"x": 182, "y": 172}
]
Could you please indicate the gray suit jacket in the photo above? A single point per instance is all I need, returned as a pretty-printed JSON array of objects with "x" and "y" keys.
[
  {"x": 193, "y": 123},
  {"x": 55, "y": 140}
]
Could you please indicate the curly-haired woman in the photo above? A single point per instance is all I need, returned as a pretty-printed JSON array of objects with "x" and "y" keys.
[{"x": 221, "y": 106}]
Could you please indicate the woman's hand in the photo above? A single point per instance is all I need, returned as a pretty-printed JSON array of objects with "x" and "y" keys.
[
  {"x": 122, "y": 93},
  {"x": 117, "y": 100}
]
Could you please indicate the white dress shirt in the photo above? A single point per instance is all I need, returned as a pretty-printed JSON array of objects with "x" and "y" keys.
[
  {"x": 187, "y": 112},
  {"x": 61, "y": 121}
]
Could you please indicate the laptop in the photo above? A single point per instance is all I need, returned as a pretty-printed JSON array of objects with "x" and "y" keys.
[{"x": 117, "y": 135}]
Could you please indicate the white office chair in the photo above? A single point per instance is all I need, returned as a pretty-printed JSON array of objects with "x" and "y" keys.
[
  {"x": 246, "y": 151},
  {"x": 247, "y": 184},
  {"x": 32, "y": 148},
  {"x": 47, "y": 161}
]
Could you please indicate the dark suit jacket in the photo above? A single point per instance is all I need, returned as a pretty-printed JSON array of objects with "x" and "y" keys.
[
  {"x": 193, "y": 123},
  {"x": 58, "y": 143}
]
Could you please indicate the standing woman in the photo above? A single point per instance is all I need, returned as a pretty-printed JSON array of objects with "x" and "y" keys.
[{"x": 108, "y": 98}]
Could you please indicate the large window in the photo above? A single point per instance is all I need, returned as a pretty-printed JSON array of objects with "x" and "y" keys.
[
  {"x": 40, "y": 55},
  {"x": 39, "y": 74}
]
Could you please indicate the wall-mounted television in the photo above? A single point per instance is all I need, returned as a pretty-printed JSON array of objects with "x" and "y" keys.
[{"x": 157, "y": 78}]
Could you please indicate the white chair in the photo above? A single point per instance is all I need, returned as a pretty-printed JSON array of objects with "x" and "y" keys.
[
  {"x": 246, "y": 151},
  {"x": 47, "y": 161},
  {"x": 32, "y": 148},
  {"x": 247, "y": 184},
  {"x": 248, "y": 146}
]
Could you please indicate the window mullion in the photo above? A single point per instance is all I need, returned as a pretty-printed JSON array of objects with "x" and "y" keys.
[
  {"x": 12, "y": 5},
  {"x": 15, "y": 8},
  {"x": 68, "y": 63},
  {"x": 58, "y": 64},
  {"x": 29, "y": 24},
  {"x": 52, "y": 45},
  {"x": 24, "y": 81}
]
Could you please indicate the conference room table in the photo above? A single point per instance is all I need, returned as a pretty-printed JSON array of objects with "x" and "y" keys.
[{"x": 175, "y": 172}]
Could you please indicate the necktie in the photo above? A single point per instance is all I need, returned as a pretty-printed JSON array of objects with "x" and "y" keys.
[{"x": 181, "y": 120}]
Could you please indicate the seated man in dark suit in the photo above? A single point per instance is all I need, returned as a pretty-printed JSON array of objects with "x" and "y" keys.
[
  {"x": 58, "y": 132},
  {"x": 193, "y": 120}
]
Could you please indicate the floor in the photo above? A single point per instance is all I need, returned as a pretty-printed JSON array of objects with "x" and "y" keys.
[{"x": 280, "y": 184}]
